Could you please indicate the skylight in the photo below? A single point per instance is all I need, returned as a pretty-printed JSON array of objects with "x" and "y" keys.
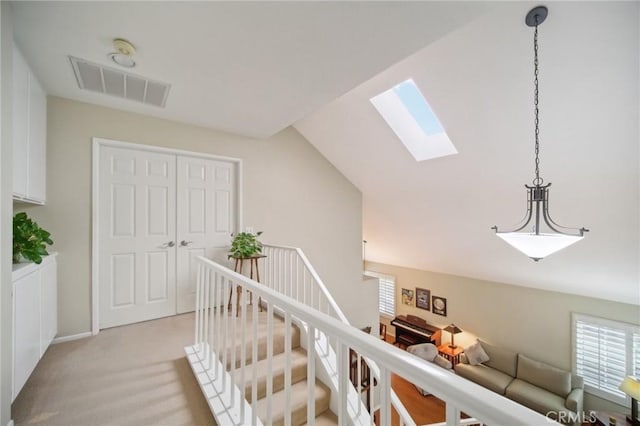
[{"x": 411, "y": 118}]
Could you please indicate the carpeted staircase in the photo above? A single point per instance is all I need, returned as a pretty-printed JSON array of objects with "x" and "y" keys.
[{"x": 299, "y": 380}]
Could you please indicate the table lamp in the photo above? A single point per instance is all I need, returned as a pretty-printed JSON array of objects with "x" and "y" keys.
[
  {"x": 631, "y": 386},
  {"x": 453, "y": 329}
]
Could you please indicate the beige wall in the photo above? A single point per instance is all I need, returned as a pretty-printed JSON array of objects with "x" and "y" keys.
[
  {"x": 291, "y": 193},
  {"x": 534, "y": 322}
]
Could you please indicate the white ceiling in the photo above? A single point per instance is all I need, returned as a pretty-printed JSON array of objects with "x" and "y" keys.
[
  {"x": 250, "y": 68},
  {"x": 254, "y": 68},
  {"x": 436, "y": 215}
]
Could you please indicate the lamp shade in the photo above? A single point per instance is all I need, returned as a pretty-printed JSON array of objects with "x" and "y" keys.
[
  {"x": 538, "y": 246},
  {"x": 631, "y": 386},
  {"x": 453, "y": 329}
]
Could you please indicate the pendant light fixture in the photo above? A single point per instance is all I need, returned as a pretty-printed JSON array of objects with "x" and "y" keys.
[{"x": 533, "y": 240}]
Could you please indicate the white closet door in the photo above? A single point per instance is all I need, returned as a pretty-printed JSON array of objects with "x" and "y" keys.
[
  {"x": 206, "y": 211},
  {"x": 137, "y": 198}
]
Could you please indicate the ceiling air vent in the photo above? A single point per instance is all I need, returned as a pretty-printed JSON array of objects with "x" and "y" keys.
[{"x": 110, "y": 81}]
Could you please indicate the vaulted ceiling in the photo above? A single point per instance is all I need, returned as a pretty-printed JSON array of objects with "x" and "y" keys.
[
  {"x": 254, "y": 68},
  {"x": 437, "y": 214}
]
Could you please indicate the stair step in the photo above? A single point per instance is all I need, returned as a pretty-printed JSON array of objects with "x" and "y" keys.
[
  {"x": 328, "y": 418},
  {"x": 261, "y": 341},
  {"x": 298, "y": 372},
  {"x": 298, "y": 403}
]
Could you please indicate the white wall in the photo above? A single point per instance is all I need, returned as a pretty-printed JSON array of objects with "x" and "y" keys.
[
  {"x": 534, "y": 322},
  {"x": 291, "y": 193},
  {"x": 6, "y": 209}
]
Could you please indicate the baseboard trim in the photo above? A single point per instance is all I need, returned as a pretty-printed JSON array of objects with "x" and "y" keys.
[
  {"x": 10, "y": 423},
  {"x": 70, "y": 338}
]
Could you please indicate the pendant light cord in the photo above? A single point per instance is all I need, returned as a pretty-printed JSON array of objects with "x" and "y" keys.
[{"x": 538, "y": 180}]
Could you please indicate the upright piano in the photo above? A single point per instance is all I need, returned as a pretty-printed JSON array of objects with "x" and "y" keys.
[{"x": 412, "y": 330}]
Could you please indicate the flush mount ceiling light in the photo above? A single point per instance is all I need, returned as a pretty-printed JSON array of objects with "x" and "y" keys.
[
  {"x": 537, "y": 242},
  {"x": 124, "y": 53}
]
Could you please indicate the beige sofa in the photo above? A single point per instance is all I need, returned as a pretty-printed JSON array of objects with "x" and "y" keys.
[{"x": 539, "y": 386}]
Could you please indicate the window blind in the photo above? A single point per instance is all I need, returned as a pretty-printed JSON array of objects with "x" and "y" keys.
[
  {"x": 636, "y": 354},
  {"x": 386, "y": 293},
  {"x": 604, "y": 353}
]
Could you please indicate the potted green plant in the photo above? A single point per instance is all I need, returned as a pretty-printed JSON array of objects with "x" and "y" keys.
[
  {"x": 245, "y": 244},
  {"x": 29, "y": 240}
]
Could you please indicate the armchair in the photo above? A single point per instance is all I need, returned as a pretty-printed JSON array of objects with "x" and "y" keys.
[{"x": 429, "y": 352}]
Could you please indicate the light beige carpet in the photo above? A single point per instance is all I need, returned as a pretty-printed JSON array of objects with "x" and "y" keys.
[{"x": 131, "y": 375}]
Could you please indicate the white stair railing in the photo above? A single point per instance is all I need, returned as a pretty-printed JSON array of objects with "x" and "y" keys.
[
  {"x": 289, "y": 271},
  {"x": 221, "y": 372}
]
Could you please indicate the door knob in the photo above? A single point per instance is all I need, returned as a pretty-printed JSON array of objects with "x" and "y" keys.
[
  {"x": 185, "y": 243},
  {"x": 169, "y": 244}
]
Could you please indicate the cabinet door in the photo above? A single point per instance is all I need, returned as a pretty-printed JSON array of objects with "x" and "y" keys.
[
  {"x": 49, "y": 303},
  {"x": 20, "y": 120},
  {"x": 26, "y": 316},
  {"x": 37, "y": 170}
]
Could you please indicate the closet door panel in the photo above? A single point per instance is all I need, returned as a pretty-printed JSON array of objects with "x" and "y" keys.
[
  {"x": 137, "y": 227},
  {"x": 206, "y": 218}
]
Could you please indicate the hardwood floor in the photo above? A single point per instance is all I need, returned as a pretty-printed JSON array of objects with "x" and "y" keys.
[{"x": 423, "y": 409}]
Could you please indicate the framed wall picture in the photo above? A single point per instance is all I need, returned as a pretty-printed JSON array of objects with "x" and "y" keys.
[
  {"x": 422, "y": 298},
  {"x": 407, "y": 296},
  {"x": 439, "y": 305}
]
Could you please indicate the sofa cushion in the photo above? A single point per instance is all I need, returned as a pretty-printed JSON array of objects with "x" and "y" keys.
[
  {"x": 484, "y": 376},
  {"x": 475, "y": 354},
  {"x": 544, "y": 375},
  {"x": 501, "y": 359},
  {"x": 536, "y": 398}
]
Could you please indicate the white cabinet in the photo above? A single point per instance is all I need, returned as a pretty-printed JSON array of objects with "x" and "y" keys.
[
  {"x": 37, "y": 158},
  {"x": 26, "y": 323},
  {"x": 20, "y": 123},
  {"x": 29, "y": 133},
  {"x": 35, "y": 317},
  {"x": 48, "y": 304}
]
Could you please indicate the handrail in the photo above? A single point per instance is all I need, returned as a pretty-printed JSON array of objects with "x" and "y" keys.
[
  {"x": 327, "y": 294},
  {"x": 459, "y": 393},
  {"x": 404, "y": 415}
]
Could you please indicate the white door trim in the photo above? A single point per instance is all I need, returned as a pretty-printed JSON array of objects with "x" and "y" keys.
[{"x": 95, "y": 245}]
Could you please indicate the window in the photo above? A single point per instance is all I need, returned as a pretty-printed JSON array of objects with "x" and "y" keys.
[
  {"x": 604, "y": 352},
  {"x": 409, "y": 115},
  {"x": 636, "y": 354},
  {"x": 386, "y": 292}
]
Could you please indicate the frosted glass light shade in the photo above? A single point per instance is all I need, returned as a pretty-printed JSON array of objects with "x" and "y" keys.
[
  {"x": 631, "y": 386},
  {"x": 538, "y": 246}
]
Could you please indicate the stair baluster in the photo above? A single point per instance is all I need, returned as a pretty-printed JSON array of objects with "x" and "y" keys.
[{"x": 279, "y": 380}]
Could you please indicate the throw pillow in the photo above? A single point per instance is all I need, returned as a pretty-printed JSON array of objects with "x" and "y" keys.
[{"x": 476, "y": 354}]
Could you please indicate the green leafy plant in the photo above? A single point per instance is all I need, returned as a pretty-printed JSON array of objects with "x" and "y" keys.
[
  {"x": 29, "y": 240},
  {"x": 245, "y": 244}
]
